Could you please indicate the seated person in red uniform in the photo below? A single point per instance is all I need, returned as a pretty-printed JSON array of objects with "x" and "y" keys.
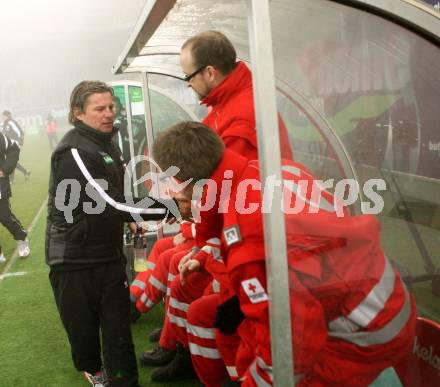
[
  {"x": 351, "y": 314},
  {"x": 224, "y": 85}
]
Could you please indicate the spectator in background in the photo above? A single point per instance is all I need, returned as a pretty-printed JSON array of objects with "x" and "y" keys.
[
  {"x": 9, "y": 153},
  {"x": 51, "y": 130},
  {"x": 13, "y": 130}
]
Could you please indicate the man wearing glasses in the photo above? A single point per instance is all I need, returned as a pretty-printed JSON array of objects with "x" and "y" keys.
[{"x": 210, "y": 63}]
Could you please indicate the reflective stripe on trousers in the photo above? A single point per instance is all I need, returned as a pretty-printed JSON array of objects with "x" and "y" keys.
[
  {"x": 170, "y": 279},
  {"x": 370, "y": 306},
  {"x": 146, "y": 301},
  {"x": 259, "y": 366},
  {"x": 383, "y": 335},
  {"x": 157, "y": 284},
  {"x": 204, "y": 333},
  {"x": 140, "y": 284},
  {"x": 151, "y": 265},
  {"x": 209, "y": 353},
  {"x": 215, "y": 286},
  {"x": 232, "y": 371},
  {"x": 179, "y": 321},
  {"x": 178, "y": 305}
]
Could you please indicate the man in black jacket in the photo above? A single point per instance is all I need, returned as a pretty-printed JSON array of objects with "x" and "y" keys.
[
  {"x": 86, "y": 212},
  {"x": 9, "y": 153}
]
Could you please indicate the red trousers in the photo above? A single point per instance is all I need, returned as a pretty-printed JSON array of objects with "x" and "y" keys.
[
  {"x": 213, "y": 354},
  {"x": 181, "y": 296},
  {"x": 168, "y": 338},
  {"x": 150, "y": 286},
  {"x": 139, "y": 284},
  {"x": 190, "y": 321}
]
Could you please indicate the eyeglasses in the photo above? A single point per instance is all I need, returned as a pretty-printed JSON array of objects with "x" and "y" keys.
[{"x": 188, "y": 77}]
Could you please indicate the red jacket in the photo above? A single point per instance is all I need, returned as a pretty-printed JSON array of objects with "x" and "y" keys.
[
  {"x": 232, "y": 116},
  {"x": 232, "y": 112},
  {"x": 351, "y": 314},
  {"x": 213, "y": 223}
]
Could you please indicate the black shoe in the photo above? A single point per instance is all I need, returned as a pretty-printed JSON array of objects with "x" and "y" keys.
[
  {"x": 181, "y": 368},
  {"x": 154, "y": 336},
  {"x": 159, "y": 356}
]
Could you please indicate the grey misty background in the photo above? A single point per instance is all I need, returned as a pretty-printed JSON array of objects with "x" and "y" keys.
[{"x": 48, "y": 46}]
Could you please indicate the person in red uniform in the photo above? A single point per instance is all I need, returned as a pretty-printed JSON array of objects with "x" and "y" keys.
[
  {"x": 151, "y": 286},
  {"x": 225, "y": 86},
  {"x": 351, "y": 314}
]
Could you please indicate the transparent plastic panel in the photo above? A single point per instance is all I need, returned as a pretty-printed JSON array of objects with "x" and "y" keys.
[
  {"x": 120, "y": 121},
  {"x": 171, "y": 101},
  {"x": 188, "y": 18},
  {"x": 306, "y": 141},
  {"x": 375, "y": 86},
  {"x": 165, "y": 63},
  {"x": 139, "y": 134}
]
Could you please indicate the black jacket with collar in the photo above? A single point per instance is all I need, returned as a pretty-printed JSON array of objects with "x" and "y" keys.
[
  {"x": 9, "y": 154},
  {"x": 85, "y": 224},
  {"x": 13, "y": 130}
]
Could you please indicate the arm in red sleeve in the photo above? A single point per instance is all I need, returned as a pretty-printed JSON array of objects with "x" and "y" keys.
[
  {"x": 241, "y": 146},
  {"x": 243, "y": 279},
  {"x": 187, "y": 229},
  {"x": 309, "y": 329}
]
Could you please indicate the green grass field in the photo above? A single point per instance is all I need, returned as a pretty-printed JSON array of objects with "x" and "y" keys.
[{"x": 34, "y": 350}]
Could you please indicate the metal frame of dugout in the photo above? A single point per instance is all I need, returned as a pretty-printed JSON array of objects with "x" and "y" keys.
[{"x": 152, "y": 49}]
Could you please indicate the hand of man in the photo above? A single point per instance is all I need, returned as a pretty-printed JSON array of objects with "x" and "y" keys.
[
  {"x": 185, "y": 267},
  {"x": 2, "y": 174},
  {"x": 132, "y": 226},
  {"x": 185, "y": 259},
  {"x": 178, "y": 239},
  {"x": 190, "y": 266},
  {"x": 135, "y": 227}
]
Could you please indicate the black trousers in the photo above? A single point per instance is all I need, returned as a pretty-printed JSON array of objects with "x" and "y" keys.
[
  {"x": 8, "y": 219},
  {"x": 93, "y": 300},
  {"x": 20, "y": 168}
]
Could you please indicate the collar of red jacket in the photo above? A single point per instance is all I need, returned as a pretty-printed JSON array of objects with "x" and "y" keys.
[
  {"x": 236, "y": 81},
  {"x": 231, "y": 161}
]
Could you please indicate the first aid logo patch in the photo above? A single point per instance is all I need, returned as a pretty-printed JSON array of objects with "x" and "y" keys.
[
  {"x": 232, "y": 235},
  {"x": 254, "y": 290}
]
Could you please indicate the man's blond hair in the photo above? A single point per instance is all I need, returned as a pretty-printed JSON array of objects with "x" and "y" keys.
[{"x": 81, "y": 93}]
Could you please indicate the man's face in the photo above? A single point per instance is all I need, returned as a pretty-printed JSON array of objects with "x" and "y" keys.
[
  {"x": 183, "y": 198},
  {"x": 99, "y": 113},
  {"x": 199, "y": 82},
  {"x": 4, "y": 118}
]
